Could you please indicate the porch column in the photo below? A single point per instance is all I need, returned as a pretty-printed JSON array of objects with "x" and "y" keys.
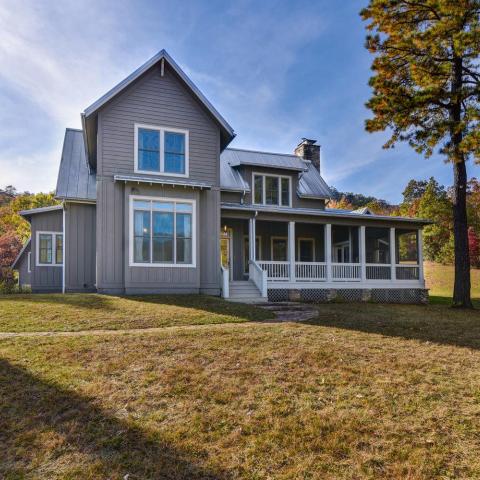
[
  {"x": 363, "y": 254},
  {"x": 393, "y": 271},
  {"x": 251, "y": 239},
  {"x": 421, "y": 276},
  {"x": 328, "y": 250},
  {"x": 291, "y": 249}
]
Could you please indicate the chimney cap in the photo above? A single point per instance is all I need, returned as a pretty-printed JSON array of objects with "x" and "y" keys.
[{"x": 308, "y": 141}]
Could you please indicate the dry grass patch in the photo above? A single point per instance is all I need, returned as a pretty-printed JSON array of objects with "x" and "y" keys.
[
  {"x": 273, "y": 401},
  {"x": 74, "y": 312}
]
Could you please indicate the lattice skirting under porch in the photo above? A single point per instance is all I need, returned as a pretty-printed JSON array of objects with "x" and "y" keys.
[{"x": 377, "y": 295}]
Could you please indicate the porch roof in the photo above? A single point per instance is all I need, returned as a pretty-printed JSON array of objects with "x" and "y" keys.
[
  {"x": 162, "y": 181},
  {"x": 327, "y": 213}
]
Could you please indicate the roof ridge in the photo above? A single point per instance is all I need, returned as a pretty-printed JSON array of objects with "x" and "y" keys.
[{"x": 262, "y": 151}]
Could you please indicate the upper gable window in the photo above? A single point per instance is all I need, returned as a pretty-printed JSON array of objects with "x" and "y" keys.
[
  {"x": 161, "y": 150},
  {"x": 271, "y": 190}
]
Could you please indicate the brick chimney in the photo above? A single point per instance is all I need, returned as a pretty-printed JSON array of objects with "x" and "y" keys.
[{"x": 309, "y": 150}]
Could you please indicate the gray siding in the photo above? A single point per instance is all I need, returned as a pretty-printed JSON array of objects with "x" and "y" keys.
[
  {"x": 24, "y": 276},
  {"x": 161, "y": 101},
  {"x": 80, "y": 254},
  {"x": 109, "y": 235},
  {"x": 45, "y": 279}
]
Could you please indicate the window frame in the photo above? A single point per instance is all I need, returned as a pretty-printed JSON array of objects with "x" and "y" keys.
[
  {"x": 29, "y": 262},
  {"x": 54, "y": 236},
  {"x": 279, "y": 182},
  {"x": 272, "y": 240},
  {"x": 131, "y": 232},
  {"x": 161, "y": 130},
  {"x": 306, "y": 239}
]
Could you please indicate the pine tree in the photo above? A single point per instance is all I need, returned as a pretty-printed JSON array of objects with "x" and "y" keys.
[{"x": 426, "y": 91}]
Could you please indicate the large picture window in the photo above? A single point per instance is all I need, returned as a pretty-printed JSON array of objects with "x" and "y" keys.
[
  {"x": 49, "y": 249},
  {"x": 161, "y": 150},
  {"x": 162, "y": 232},
  {"x": 271, "y": 190}
]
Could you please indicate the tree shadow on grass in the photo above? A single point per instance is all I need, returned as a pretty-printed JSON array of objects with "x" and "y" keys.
[
  {"x": 33, "y": 411},
  {"x": 437, "y": 323}
]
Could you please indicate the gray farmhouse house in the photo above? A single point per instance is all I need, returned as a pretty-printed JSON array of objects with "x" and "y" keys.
[{"x": 153, "y": 201}]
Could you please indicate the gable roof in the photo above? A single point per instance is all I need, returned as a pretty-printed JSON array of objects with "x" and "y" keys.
[
  {"x": 310, "y": 185},
  {"x": 19, "y": 256},
  {"x": 75, "y": 180},
  {"x": 89, "y": 120}
]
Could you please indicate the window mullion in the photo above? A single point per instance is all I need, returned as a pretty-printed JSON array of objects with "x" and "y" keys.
[
  {"x": 162, "y": 151},
  {"x": 279, "y": 191},
  {"x": 264, "y": 194}
]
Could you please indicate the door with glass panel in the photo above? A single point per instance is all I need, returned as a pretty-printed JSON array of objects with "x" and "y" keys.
[{"x": 226, "y": 250}]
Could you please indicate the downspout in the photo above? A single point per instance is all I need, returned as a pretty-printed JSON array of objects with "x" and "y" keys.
[{"x": 63, "y": 249}]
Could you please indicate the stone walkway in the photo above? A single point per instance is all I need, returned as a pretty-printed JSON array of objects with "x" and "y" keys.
[{"x": 290, "y": 311}]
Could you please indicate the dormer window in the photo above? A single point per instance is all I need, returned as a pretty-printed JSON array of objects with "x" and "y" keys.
[
  {"x": 161, "y": 150},
  {"x": 271, "y": 190}
]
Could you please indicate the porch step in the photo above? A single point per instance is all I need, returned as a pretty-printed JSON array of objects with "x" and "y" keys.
[{"x": 244, "y": 291}]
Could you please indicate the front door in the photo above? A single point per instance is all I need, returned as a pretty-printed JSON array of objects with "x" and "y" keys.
[{"x": 226, "y": 250}]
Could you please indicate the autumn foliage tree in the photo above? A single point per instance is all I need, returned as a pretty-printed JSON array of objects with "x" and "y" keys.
[
  {"x": 426, "y": 91},
  {"x": 474, "y": 247}
]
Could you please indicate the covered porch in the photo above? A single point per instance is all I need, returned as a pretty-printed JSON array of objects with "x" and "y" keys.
[{"x": 296, "y": 254}]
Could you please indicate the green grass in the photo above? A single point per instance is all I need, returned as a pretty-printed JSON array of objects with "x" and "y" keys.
[
  {"x": 74, "y": 312},
  {"x": 364, "y": 391},
  {"x": 439, "y": 279}
]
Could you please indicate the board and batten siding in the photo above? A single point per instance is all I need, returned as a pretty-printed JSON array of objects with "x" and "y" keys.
[
  {"x": 80, "y": 254},
  {"x": 45, "y": 279},
  {"x": 164, "y": 102}
]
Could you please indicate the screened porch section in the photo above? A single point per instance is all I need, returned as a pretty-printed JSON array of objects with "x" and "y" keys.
[{"x": 297, "y": 252}]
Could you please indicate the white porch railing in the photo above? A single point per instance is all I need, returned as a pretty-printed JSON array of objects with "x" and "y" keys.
[
  {"x": 310, "y": 271},
  {"x": 408, "y": 272},
  {"x": 258, "y": 277},
  {"x": 276, "y": 271},
  {"x": 346, "y": 272},
  {"x": 378, "y": 271},
  {"x": 225, "y": 282}
]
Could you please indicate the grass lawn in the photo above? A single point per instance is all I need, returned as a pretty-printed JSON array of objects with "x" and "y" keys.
[
  {"x": 73, "y": 312},
  {"x": 364, "y": 391}
]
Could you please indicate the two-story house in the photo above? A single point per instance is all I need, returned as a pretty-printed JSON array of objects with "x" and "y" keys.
[{"x": 154, "y": 201}]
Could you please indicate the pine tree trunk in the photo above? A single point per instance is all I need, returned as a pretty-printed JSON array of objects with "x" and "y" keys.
[{"x": 461, "y": 290}]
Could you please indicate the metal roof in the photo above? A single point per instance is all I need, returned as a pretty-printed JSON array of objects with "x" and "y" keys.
[
  {"x": 236, "y": 157},
  {"x": 33, "y": 211},
  {"x": 162, "y": 181},
  {"x": 311, "y": 183},
  {"x": 27, "y": 243},
  {"x": 75, "y": 180},
  {"x": 329, "y": 212}
]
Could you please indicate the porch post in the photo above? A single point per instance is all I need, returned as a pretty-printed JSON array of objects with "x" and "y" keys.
[
  {"x": 363, "y": 255},
  {"x": 291, "y": 249},
  {"x": 393, "y": 271},
  {"x": 328, "y": 250},
  {"x": 251, "y": 239},
  {"x": 421, "y": 276}
]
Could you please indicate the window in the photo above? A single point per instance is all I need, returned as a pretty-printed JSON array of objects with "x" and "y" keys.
[
  {"x": 271, "y": 190},
  {"x": 246, "y": 251},
  {"x": 162, "y": 232},
  {"x": 49, "y": 249},
  {"x": 279, "y": 249},
  {"x": 161, "y": 151},
  {"x": 306, "y": 250}
]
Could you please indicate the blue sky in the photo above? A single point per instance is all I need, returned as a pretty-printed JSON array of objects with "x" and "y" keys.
[{"x": 276, "y": 70}]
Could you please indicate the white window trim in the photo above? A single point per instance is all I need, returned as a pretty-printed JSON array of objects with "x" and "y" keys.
[
  {"x": 306, "y": 239},
  {"x": 29, "y": 262},
  {"x": 162, "y": 130},
  {"x": 131, "y": 262},
  {"x": 54, "y": 244},
  {"x": 254, "y": 174},
  {"x": 272, "y": 239}
]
